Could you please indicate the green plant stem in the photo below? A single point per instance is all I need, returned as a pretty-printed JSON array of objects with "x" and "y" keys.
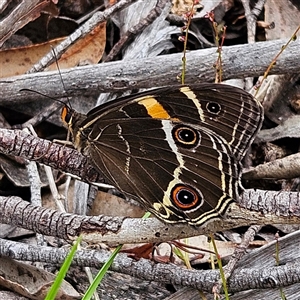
[
  {"x": 223, "y": 278},
  {"x": 273, "y": 62},
  {"x": 185, "y": 44}
]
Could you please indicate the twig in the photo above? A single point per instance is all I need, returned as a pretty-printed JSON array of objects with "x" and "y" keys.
[
  {"x": 242, "y": 279},
  {"x": 274, "y": 60},
  {"x": 135, "y": 30},
  {"x": 82, "y": 31},
  {"x": 241, "y": 249}
]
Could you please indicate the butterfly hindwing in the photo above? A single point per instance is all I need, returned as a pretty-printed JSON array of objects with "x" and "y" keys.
[{"x": 146, "y": 161}]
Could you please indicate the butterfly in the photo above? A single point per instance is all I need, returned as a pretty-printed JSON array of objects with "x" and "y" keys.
[{"x": 177, "y": 150}]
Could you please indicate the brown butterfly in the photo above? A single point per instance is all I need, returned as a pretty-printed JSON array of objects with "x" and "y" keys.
[{"x": 177, "y": 150}]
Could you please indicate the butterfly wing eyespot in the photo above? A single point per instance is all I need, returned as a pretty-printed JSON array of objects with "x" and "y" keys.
[
  {"x": 213, "y": 107},
  {"x": 186, "y": 136},
  {"x": 186, "y": 197}
]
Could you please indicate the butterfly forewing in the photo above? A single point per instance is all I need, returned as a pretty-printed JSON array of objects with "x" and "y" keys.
[{"x": 228, "y": 111}]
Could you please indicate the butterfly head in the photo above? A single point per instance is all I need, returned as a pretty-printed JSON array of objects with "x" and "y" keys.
[{"x": 72, "y": 120}]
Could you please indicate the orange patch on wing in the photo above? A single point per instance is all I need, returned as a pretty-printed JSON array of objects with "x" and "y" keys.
[{"x": 155, "y": 109}]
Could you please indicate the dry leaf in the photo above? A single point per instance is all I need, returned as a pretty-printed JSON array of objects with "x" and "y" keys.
[
  {"x": 88, "y": 50},
  {"x": 141, "y": 251},
  {"x": 30, "y": 281},
  {"x": 19, "y": 60},
  {"x": 112, "y": 205},
  {"x": 285, "y": 16}
]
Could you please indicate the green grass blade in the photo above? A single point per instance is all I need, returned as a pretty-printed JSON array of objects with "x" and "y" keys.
[
  {"x": 62, "y": 272},
  {"x": 92, "y": 288}
]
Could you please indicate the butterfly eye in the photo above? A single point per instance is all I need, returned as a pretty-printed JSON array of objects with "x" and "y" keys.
[
  {"x": 66, "y": 115},
  {"x": 213, "y": 107},
  {"x": 185, "y": 197},
  {"x": 186, "y": 136}
]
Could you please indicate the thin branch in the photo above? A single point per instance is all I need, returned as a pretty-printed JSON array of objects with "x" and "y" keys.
[
  {"x": 272, "y": 204},
  {"x": 19, "y": 143},
  {"x": 242, "y": 278},
  {"x": 134, "y": 74},
  {"x": 82, "y": 31},
  {"x": 135, "y": 30},
  {"x": 255, "y": 207}
]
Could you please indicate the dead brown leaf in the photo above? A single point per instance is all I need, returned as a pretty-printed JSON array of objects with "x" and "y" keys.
[
  {"x": 30, "y": 281},
  {"x": 90, "y": 49}
]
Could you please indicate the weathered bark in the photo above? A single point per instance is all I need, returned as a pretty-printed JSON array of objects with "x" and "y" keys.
[
  {"x": 257, "y": 270},
  {"x": 238, "y": 62}
]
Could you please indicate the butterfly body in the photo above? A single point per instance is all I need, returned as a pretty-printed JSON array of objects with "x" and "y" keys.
[{"x": 176, "y": 150}]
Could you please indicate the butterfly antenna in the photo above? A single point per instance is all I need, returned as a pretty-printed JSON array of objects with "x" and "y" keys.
[
  {"x": 62, "y": 82},
  {"x": 32, "y": 91}
]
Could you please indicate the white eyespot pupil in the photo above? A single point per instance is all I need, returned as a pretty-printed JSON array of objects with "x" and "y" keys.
[
  {"x": 185, "y": 197},
  {"x": 213, "y": 107}
]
